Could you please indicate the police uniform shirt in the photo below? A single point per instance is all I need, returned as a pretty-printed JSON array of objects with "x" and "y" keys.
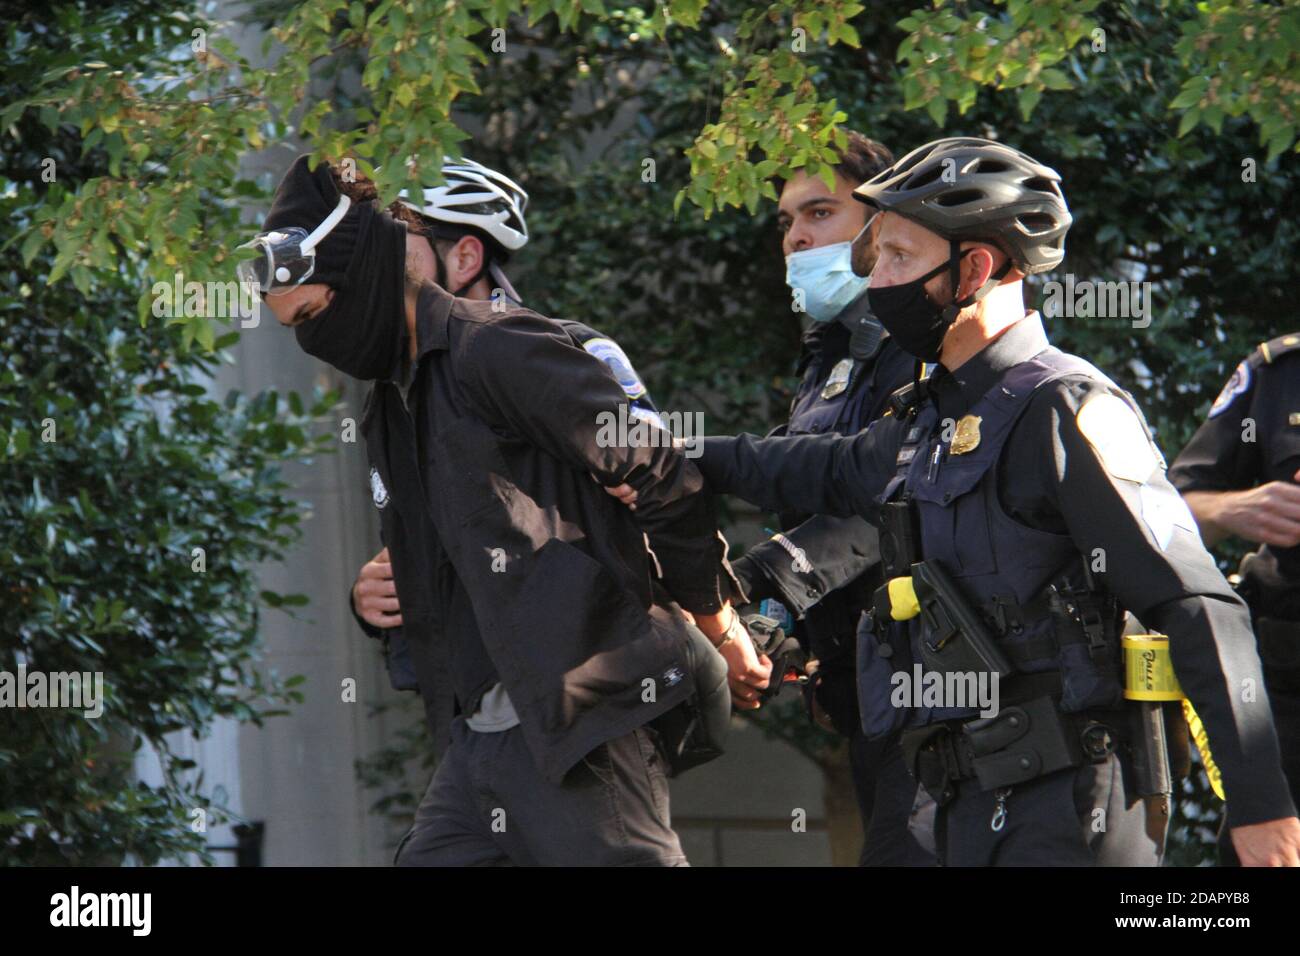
[
  {"x": 1079, "y": 461},
  {"x": 1252, "y": 435}
]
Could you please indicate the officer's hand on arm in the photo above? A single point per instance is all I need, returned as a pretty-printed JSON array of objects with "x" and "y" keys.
[
  {"x": 525, "y": 376},
  {"x": 804, "y": 564},
  {"x": 1274, "y": 843},
  {"x": 1269, "y": 514},
  {"x": 374, "y": 596},
  {"x": 748, "y": 672}
]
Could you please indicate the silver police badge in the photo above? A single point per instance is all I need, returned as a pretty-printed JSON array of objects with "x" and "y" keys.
[
  {"x": 377, "y": 489},
  {"x": 839, "y": 378}
]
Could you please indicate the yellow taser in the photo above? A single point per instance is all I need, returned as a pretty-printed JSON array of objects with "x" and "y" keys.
[
  {"x": 1149, "y": 675},
  {"x": 903, "y": 605}
]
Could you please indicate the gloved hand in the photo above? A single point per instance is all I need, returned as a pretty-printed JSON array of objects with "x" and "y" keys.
[
  {"x": 787, "y": 656},
  {"x": 832, "y": 698}
]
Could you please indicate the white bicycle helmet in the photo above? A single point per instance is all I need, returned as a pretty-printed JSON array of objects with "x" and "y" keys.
[{"x": 477, "y": 196}]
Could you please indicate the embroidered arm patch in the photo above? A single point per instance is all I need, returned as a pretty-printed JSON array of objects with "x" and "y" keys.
[{"x": 1113, "y": 429}]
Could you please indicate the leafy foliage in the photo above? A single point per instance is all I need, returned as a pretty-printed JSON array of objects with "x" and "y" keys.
[{"x": 116, "y": 463}]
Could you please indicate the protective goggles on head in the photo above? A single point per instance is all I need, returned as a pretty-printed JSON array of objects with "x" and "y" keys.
[{"x": 286, "y": 258}]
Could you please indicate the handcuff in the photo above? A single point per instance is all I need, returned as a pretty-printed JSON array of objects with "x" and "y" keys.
[{"x": 730, "y": 633}]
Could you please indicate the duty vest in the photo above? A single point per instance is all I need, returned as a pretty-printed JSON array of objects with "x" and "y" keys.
[{"x": 1006, "y": 570}]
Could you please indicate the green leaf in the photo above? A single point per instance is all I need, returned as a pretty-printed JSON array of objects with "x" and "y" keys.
[
  {"x": 937, "y": 107},
  {"x": 1055, "y": 79},
  {"x": 1027, "y": 98},
  {"x": 848, "y": 35},
  {"x": 1189, "y": 96},
  {"x": 827, "y": 175},
  {"x": 204, "y": 332},
  {"x": 10, "y": 114},
  {"x": 31, "y": 245}
]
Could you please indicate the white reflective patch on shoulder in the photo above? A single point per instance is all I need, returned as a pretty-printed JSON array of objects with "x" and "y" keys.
[
  {"x": 609, "y": 352},
  {"x": 377, "y": 490},
  {"x": 1238, "y": 383},
  {"x": 1164, "y": 509},
  {"x": 1114, "y": 430}
]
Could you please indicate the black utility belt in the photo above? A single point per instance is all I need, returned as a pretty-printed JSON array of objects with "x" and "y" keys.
[{"x": 1023, "y": 742}]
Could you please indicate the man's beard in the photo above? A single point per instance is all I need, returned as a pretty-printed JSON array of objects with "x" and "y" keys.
[
  {"x": 415, "y": 282},
  {"x": 413, "y": 278}
]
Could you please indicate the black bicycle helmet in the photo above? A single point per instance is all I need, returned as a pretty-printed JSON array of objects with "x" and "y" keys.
[{"x": 965, "y": 188}]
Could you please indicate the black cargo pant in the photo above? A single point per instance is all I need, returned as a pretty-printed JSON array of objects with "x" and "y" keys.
[
  {"x": 1080, "y": 816},
  {"x": 488, "y": 805},
  {"x": 897, "y": 815}
]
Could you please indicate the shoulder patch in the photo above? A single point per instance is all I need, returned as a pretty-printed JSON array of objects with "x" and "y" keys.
[
  {"x": 377, "y": 490},
  {"x": 609, "y": 352},
  {"x": 1114, "y": 430},
  {"x": 1236, "y": 385}
]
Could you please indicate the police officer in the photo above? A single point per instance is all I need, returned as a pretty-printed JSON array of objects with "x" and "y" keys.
[
  {"x": 486, "y": 432},
  {"x": 1240, "y": 474},
  {"x": 824, "y": 569},
  {"x": 1033, "y": 507}
]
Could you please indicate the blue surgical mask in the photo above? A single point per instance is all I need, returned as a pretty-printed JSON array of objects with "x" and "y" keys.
[{"x": 826, "y": 276}]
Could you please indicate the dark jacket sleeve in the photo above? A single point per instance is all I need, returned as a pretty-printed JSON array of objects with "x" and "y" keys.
[
  {"x": 1217, "y": 459},
  {"x": 817, "y": 474},
  {"x": 801, "y": 566},
  {"x": 1156, "y": 565},
  {"x": 529, "y": 375}
]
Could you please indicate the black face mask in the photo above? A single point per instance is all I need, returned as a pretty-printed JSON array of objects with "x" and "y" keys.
[
  {"x": 914, "y": 320},
  {"x": 363, "y": 330}
]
